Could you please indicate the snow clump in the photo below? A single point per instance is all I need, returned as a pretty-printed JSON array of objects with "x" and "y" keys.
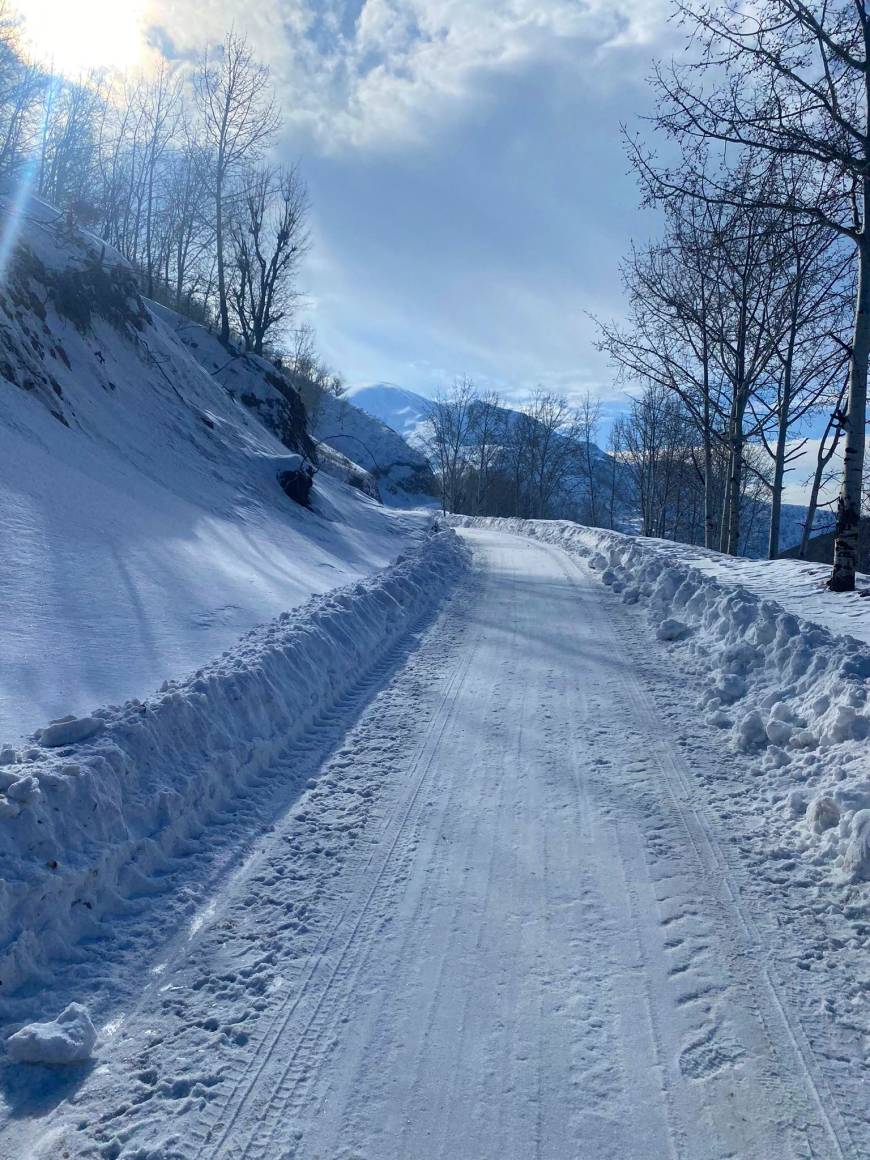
[
  {"x": 671, "y": 629},
  {"x": 856, "y": 860},
  {"x": 70, "y": 1038},
  {"x": 69, "y": 731}
]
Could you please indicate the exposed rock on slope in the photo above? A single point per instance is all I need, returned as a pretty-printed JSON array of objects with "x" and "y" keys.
[{"x": 252, "y": 380}]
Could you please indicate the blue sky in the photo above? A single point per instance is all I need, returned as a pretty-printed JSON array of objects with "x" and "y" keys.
[{"x": 470, "y": 196}]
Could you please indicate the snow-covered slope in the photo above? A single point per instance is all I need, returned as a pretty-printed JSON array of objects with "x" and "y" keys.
[
  {"x": 402, "y": 472},
  {"x": 142, "y": 525}
]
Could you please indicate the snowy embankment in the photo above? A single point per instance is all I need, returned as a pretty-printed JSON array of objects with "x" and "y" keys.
[
  {"x": 142, "y": 522},
  {"x": 82, "y": 826},
  {"x": 791, "y": 692}
]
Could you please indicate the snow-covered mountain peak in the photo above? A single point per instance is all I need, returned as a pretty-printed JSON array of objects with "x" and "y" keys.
[{"x": 403, "y": 410}]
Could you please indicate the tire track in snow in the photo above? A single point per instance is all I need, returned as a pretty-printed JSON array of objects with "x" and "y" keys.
[
  {"x": 380, "y": 859},
  {"x": 714, "y": 868}
]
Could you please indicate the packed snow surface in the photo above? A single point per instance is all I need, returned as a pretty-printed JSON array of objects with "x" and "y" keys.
[{"x": 528, "y": 905}]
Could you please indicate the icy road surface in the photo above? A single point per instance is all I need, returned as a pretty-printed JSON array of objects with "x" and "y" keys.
[{"x": 502, "y": 926}]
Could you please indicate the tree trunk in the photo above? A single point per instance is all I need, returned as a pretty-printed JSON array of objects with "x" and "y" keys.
[
  {"x": 849, "y": 503},
  {"x": 612, "y": 488},
  {"x": 782, "y": 430},
  {"x": 779, "y": 473},
  {"x": 709, "y": 504},
  {"x": 812, "y": 507},
  {"x": 149, "y": 259},
  {"x": 219, "y": 251},
  {"x": 734, "y": 483},
  {"x": 725, "y": 519},
  {"x": 823, "y": 458},
  {"x": 776, "y": 497},
  {"x": 709, "y": 499}
]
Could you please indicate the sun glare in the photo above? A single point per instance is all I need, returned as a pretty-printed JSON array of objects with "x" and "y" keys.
[{"x": 77, "y": 35}]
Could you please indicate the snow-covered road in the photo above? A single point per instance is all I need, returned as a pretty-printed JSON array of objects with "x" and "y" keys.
[{"x": 501, "y": 924}]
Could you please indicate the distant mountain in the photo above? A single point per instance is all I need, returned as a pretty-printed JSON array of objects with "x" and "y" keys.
[{"x": 404, "y": 411}]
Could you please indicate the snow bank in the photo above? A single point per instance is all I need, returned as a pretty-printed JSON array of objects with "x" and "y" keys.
[
  {"x": 788, "y": 691},
  {"x": 84, "y": 826}
]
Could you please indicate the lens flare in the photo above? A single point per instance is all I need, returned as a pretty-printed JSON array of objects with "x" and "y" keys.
[{"x": 75, "y": 37}]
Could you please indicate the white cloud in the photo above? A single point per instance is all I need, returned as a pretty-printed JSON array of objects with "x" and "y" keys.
[
  {"x": 469, "y": 191},
  {"x": 383, "y": 73},
  {"x": 802, "y": 469}
]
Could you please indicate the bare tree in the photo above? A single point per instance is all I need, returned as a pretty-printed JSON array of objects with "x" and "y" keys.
[
  {"x": 547, "y": 446},
  {"x": 269, "y": 239},
  {"x": 778, "y": 80},
  {"x": 162, "y": 114},
  {"x": 68, "y": 145},
  {"x": 449, "y": 426},
  {"x": 486, "y": 437},
  {"x": 701, "y": 303},
  {"x": 670, "y": 337},
  {"x": 188, "y": 224},
  {"x": 588, "y": 419},
  {"x": 614, "y": 450},
  {"x": 811, "y": 350},
  {"x": 239, "y": 119},
  {"x": 22, "y": 88},
  {"x": 656, "y": 440}
]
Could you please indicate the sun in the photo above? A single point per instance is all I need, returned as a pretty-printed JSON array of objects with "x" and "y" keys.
[{"x": 74, "y": 36}]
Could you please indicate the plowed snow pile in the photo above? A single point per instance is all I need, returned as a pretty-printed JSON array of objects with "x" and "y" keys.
[
  {"x": 789, "y": 691},
  {"x": 82, "y": 827}
]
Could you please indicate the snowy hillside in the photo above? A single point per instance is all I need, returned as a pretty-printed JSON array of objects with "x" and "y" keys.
[
  {"x": 402, "y": 472},
  {"x": 142, "y": 524}
]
